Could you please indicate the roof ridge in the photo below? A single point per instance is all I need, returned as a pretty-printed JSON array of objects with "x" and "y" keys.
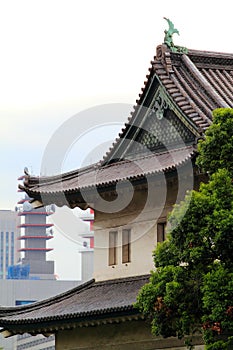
[
  {"x": 58, "y": 177},
  {"x": 133, "y": 113},
  {"x": 121, "y": 280},
  {"x": 202, "y": 80},
  {"x": 216, "y": 54}
]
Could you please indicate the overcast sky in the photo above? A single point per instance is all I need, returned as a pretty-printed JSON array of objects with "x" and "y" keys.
[{"x": 58, "y": 58}]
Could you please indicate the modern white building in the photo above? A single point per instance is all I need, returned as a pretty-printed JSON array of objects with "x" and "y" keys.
[
  {"x": 23, "y": 244},
  {"x": 9, "y": 244},
  {"x": 21, "y": 292},
  {"x": 87, "y": 251}
]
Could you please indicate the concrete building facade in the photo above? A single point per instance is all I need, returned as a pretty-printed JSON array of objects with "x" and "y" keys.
[
  {"x": 23, "y": 292},
  {"x": 87, "y": 252},
  {"x": 9, "y": 244}
]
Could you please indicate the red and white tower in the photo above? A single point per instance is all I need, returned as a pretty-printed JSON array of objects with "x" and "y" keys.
[{"x": 35, "y": 232}]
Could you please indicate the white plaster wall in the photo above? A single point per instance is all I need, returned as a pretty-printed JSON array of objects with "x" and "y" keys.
[
  {"x": 143, "y": 241},
  {"x": 141, "y": 218},
  {"x": 147, "y": 207}
]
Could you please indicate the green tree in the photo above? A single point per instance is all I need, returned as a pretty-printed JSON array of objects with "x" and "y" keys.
[
  {"x": 216, "y": 150},
  {"x": 191, "y": 288}
]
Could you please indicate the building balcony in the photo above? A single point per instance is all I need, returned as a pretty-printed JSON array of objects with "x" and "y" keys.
[
  {"x": 24, "y": 213},
  {"x": 35, "y": 249},
  {"x": 87, "y": 234},
  {"x": 35, "y": 225}
]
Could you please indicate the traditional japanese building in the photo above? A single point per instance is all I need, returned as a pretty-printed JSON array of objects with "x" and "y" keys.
[{"x": 148, "y": 169}]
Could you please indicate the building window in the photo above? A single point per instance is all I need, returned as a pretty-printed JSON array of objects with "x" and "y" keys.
[
  {"x": 161, "y": 231},
  {"x": 7, "y": 239},
  {"x": 112, "y": 259},
  {"x": 126, "y": 237},
  {"x": 1, "y": 249},
  {"x": 12, "y": 248},
  {"x": 24, "y": 302}
]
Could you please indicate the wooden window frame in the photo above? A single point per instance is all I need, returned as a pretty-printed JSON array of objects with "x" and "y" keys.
[
  {"x": 161, "y": 234},
  {"x": 112, "y": 248},
  {"x": 126, "y": 246}
]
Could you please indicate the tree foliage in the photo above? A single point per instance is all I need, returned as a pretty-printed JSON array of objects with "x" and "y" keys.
[
  {"x": 192, "y": 285},
  {"x": 216, "y": 150}
]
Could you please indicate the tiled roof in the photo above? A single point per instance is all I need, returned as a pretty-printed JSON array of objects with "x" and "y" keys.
[
  {"x": 197, "y": 83},
  {"x": 110, "y": 174},
  {"x": 90, "y": 301},
  {"x": 194, "y": 84}
]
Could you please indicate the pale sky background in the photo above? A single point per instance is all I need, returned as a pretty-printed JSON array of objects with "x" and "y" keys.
[{"x": 58, "y": 57}]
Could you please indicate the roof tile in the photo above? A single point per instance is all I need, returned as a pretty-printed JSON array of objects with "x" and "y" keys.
[
  {"x": 197, "y": 83},
  {"x": 83, "y": 302}
]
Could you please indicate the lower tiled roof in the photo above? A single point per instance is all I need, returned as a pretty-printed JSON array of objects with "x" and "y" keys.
[
  {"x": 90, "y": 301},
  {"x": 97, "y": 176}
]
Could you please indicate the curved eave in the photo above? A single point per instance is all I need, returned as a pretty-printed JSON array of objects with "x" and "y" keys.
[
  {"x": 51, "y": 326},
  {"x": 140, "y": 102},
  {"x": 73, "y": 197},
  {"x": 74, "y": 316}
]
